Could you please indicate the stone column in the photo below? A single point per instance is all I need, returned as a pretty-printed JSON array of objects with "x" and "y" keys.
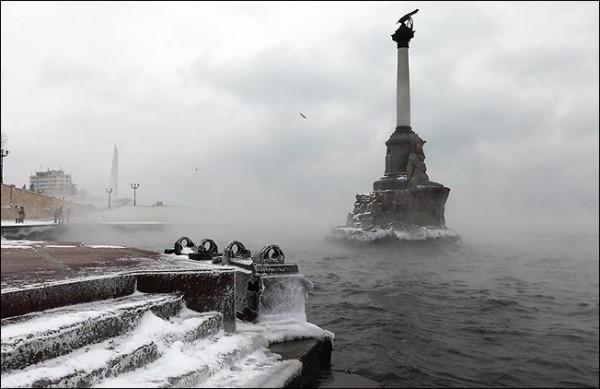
[
  {"x": 403, "y": 89},
  {"x": 402, "y": 37},
  {"x": 399, "y": 144}
]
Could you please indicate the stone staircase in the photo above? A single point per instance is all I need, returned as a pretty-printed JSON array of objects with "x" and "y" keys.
[{"x": 139, "y": 340}]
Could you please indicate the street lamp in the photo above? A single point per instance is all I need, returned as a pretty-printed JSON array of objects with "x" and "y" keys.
[
  {"x": 134, "y": 187},
  {"x": 3, "y": 153},
  {"x": 109, "y": 191}
]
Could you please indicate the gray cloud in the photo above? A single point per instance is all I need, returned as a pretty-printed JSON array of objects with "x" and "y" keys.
[{"x": 506, "y": 100}]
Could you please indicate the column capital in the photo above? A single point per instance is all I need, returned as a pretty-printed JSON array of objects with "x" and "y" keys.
[
  {"x": 403, "y": 35},
  {"x": 405, "y": 32}
]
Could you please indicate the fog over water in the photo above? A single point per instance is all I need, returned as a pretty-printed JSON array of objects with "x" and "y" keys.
[
  {"x": 517, "y": 310},
  {"x": 203, "y": 102}
]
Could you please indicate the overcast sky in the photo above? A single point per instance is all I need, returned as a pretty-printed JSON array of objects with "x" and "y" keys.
[{"x": 505, "y": 94}]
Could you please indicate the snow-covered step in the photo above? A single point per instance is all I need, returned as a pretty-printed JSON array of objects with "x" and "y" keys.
[
  {"x": 86, "y": 366},
  {"x": 188, "y": 364},
  {"x": 261, "y": 369},
  {"x": 39, "y": 336},
  {"x": 211, "y": 361}
]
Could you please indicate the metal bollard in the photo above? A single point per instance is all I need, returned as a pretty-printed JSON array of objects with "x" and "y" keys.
[
  {"x": 269, "y": 254},
  {"x": 207, "y": 250},
  {"x": 235, "y": 250},
  {"x": 179, "y": 245}
]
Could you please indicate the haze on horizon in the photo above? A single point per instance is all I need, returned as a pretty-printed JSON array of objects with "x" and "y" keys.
[{"x": 204, "y": 99}]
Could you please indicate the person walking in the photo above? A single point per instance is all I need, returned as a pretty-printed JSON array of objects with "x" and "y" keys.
[
  {"x": 60, "y": 215},
  {"x": 57, "y": 215},
  {"x": 20, "y": 215}
]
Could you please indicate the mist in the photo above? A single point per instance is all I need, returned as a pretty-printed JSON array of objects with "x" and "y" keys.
[{"x": 203, "y": 102}]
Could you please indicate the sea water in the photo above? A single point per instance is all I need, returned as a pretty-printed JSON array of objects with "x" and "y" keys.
[{"x": 510, "y": 312}]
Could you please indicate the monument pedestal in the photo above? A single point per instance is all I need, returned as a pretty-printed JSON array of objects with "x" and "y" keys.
[
  {"x": 399, "y": 209},
  {"x": 391, "y": 182},
  {"x": 404, "y": 204}
]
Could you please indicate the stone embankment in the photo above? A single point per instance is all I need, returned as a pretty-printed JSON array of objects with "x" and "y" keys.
[
  {"x": 37, "y": 206},
  {"x": 76, "y": 315}
]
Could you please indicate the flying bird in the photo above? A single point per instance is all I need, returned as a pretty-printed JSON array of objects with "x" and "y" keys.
[
  {"x": 407, "y": 16},
  {"x": 301, "y": 114}
]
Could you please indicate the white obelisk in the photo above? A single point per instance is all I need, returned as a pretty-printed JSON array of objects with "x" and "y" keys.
[{"x": 114, "y": 173}]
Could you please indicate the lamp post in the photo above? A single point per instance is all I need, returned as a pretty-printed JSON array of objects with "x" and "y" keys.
[
  {"x": 3, "y": 153},
  {"x": 135, "y": 188},
  {"x": 109, "y": 191}
]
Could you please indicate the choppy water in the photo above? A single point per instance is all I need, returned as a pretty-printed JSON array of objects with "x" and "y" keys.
[
  {"x": 518, "y": 313},
  {"x": 461, "y": 315}
]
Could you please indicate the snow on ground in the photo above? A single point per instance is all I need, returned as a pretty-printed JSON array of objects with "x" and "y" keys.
[
  {"x": 135, "y": 223},
  {"x": 27, "y": 244},
  {"x": 26, "y": 222},
  {"x": 19, "y": 244},
  {"x": 100, "y": 246}
]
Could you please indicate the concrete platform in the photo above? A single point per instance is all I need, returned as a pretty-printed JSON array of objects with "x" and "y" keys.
[
  {"x": 48, "y": 230},
  {"x": 39, "y": 277},
  {"x": 315, "y": 355},
  {"x": 30, "y": 263}
]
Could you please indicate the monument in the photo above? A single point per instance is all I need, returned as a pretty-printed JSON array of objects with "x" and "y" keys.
[
  {"x": 114, "y": 172},
  {"x": 405, "y": 204}
]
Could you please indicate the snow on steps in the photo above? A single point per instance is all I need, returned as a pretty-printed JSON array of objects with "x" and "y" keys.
[
  {"x": 224, "y": 360},
  {"x": 258, "y": 370},
  {"x": 240, "y": 359},
  {"x": 183, "y": 365},
  {"x": 88, "y": 365},
  {"x": 146, "y": 340},
  {"x": 32, "y": 338}
]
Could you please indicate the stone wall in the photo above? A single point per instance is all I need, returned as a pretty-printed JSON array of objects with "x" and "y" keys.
[{"x": 37, "y": 206}]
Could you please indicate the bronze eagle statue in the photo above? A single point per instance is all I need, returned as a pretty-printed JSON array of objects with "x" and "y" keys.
[{"x": 407, "y": 16}]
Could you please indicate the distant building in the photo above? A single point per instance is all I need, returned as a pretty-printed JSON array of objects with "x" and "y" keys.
[{"x": 52, "y": 183}]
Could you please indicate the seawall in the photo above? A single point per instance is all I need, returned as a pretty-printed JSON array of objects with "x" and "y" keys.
[{"x": 37, "y": 206}]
